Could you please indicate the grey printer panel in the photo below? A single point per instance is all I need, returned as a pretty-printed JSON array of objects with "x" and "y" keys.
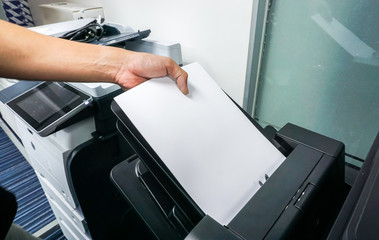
[{"x": 171, "y": 50}]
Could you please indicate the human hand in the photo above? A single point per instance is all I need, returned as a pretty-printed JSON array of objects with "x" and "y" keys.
[
  {"x": 137, "y": 68},
  {"x": 48, "y": 58}
]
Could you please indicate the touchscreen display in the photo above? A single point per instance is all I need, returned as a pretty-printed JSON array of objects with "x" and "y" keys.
[
  {"x": 48, "y": 105},
  {"x": 44, "y": 103}
]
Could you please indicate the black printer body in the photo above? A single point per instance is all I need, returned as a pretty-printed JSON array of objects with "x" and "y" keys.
[{"x": 298, "y": 201}]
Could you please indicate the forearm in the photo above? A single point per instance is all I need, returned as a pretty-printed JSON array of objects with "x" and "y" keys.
[
  {"x": 28, "y": 55},
  {"x": 32, "y": 56}
]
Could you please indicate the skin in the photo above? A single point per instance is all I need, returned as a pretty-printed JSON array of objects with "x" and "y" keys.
[{"x": 31, "y": 56}]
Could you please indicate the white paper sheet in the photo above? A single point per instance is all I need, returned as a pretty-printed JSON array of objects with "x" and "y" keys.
[{"x": 212, "y": 149}]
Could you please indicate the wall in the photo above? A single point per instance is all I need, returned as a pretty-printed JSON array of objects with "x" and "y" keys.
[
  {"x": 34, "y": 9},
  {"x": 213, "y": 33}
]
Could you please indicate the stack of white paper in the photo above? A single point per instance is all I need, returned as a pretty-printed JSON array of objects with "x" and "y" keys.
[{"x": 212, "y": 149}]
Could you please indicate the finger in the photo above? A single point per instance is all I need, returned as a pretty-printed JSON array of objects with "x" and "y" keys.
[
  {"x": 181, "y": 81},
  {"x": 179, "y": 75}
]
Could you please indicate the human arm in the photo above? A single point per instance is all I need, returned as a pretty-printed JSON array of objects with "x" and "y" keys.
[{"x": 31, "y": 56}]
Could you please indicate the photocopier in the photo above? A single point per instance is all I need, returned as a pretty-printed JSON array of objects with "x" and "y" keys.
[
  {"x": 298, "y": 201},
  {"x": 69, "y": 135},
  {"x": 104, "y": 181},
  {"x": 305, "y": 198}
]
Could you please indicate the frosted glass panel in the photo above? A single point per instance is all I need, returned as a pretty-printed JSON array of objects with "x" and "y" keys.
[{"x": 320, "y": 70}]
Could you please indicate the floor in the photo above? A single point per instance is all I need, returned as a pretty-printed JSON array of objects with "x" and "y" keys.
[{"x": 16, "y": 175}]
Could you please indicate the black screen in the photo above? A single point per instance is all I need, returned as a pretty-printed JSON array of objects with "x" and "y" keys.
[
  {"x": 49, "y": 100},
  {"x": 43, "y": 105}
]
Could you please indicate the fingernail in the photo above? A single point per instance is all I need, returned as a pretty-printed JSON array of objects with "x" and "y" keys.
[
  {"x": 184, "y": 91},
  {"x": 182, "y": 86}
]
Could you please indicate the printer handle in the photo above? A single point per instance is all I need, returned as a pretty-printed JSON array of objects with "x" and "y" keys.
[{"x": 294, "y": 135}]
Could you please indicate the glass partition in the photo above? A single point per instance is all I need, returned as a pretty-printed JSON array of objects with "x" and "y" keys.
[{"x": 320, "y": 70}]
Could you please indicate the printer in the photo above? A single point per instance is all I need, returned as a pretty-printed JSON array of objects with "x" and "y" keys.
[
  {"x": 69, "y": 158},
  {"x": 295, "y": 203},
  {"x": 299, "y": 200},
  {"x": 306, "y": 197},
  {"x": 71, "y": 140}
]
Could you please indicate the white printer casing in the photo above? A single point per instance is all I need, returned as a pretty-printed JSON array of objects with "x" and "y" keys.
[
  {"x": 49, "y": 155},
  {"x": 65, "y": 11}
]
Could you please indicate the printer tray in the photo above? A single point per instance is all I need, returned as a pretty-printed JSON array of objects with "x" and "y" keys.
[
  {"x": 294, "y": 202},
  {"x": 190, "y": 213}
]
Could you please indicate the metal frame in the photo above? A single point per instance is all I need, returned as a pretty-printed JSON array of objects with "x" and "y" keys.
[{"x": 256, "y": 49}]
